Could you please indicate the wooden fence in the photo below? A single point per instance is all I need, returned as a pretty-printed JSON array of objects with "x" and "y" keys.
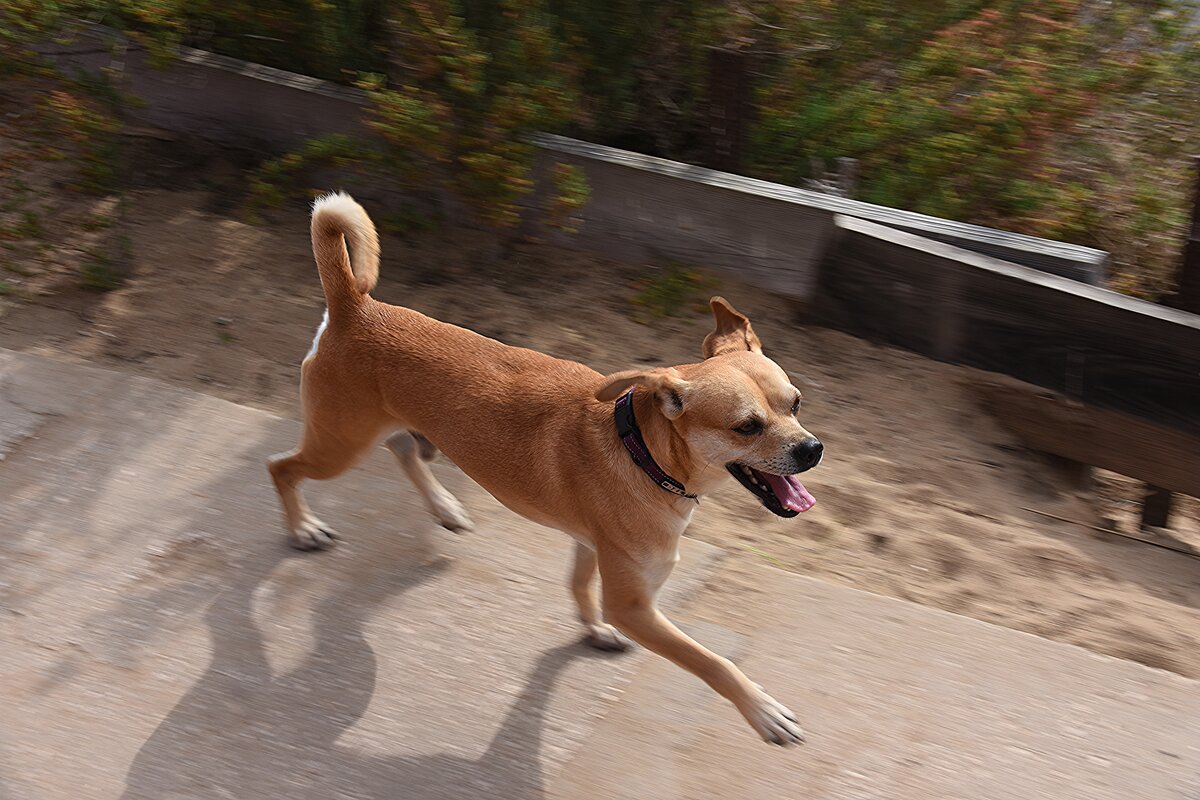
[{"x": 1119, "y": 378}]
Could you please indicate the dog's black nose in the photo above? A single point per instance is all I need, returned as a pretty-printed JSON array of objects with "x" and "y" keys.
[{"x": 808, "y": 453}]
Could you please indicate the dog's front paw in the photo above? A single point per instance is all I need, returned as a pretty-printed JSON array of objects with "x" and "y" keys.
[
  {"x": 450, "y": 513},
  {"x": 312, "y": 534},
  {"x": 772, "y": 720},
  {"x": 605, "y": 637}
]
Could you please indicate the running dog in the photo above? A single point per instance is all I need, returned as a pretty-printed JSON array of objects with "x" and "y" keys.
[{"x": 618, "y": 462}]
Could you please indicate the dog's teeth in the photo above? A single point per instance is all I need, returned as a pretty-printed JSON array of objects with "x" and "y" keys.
[{"x": 746, "y": 470}]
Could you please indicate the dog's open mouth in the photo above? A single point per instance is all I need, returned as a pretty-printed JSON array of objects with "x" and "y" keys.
[{"x": 784, "y": 495}]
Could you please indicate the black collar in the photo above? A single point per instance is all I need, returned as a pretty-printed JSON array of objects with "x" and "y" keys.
[{"x": 631, "y": 437}]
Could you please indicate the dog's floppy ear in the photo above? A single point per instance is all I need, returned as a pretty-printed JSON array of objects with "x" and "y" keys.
[
  {"x": 733, "y": 332},
  {"x": 668, "y": 387}
]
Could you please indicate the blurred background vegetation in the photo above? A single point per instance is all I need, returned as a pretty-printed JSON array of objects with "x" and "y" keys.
[{"x": 1070, "y": 119}]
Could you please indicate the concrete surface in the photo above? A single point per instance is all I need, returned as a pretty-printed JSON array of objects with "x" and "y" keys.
[
  {"x": 159, "y": 640},
  {"x": 898, "y": 701}
]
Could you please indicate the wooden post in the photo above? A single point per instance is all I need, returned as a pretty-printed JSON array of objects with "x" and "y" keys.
[
  {"x": 1187, "y": 293},
  {"x": 728, "y": 107},
  {"x": 1156, "y": 506},
  {"x": 847, "y": 176}
]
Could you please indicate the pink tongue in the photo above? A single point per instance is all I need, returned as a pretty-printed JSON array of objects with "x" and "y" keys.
[{"x": 790, "y": 491}]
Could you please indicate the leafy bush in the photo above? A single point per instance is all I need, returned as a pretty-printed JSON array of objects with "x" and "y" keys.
[
  {"x": 1072, "y": 119},
  {"x": 665, "y": 292},
  {"x": 461, "y": 104},
  {"x": 270, "y": 183}
]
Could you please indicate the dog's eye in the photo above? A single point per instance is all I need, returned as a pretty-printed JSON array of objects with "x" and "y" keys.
[
  {"x": 796, "y": 406},
  {"x": 749, "y": 427}
]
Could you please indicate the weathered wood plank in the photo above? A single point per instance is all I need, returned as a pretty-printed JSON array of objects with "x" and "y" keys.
[
  {"x": 1093, "y": 345},
  {"x": 638, "y": 216},
  {"x": 1073, "y": 261},
  {"x": 1049, "y": 422}
]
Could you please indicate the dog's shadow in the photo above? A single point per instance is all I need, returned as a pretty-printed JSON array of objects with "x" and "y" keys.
[{"x": 241, "y": 732}]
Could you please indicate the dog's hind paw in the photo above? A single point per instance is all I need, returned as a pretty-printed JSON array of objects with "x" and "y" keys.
[
  {"x": 606, "y": 637},
  {"x": 450, "y": 513},
  {"x": 312, "y": 534}
]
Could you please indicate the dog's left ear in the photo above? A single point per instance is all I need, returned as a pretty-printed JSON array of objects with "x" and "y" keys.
[
  {"x": 733, "y": 332},
  {"x": 666, "y": 384}
]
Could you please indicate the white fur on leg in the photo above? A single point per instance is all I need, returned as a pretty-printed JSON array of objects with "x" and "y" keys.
[
  {"x": 312, "y": 534},
  {"x": 772, "y": 720},
  {"x": 603, "y": 636},
  {"x": 443, "y": 505},
  {"x": 449, "y": 512}
]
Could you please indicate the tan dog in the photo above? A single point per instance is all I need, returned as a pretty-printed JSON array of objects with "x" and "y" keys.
[{"x": 541, "y": 435}]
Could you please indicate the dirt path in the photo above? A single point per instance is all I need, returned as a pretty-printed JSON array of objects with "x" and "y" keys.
[{"x": 920, "y": 496}]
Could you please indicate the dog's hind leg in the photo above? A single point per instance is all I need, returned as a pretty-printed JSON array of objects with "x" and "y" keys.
[
  {"x": 425, "y": 447},
  {"x": 412, "y": 451},
  {"x": 325, "y": 451},
  {"x": 600, "y": 635}
]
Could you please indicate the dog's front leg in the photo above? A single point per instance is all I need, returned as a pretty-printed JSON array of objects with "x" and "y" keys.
[
  {"x": 600, "y": 635},
  {"x": 629, "y": 587}
]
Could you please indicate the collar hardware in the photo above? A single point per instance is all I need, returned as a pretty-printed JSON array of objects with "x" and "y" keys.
[{"x": 631, "y": 437}]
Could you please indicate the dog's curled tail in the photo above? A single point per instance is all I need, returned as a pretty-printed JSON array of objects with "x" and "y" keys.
[{"x": 337, "y": 222}]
